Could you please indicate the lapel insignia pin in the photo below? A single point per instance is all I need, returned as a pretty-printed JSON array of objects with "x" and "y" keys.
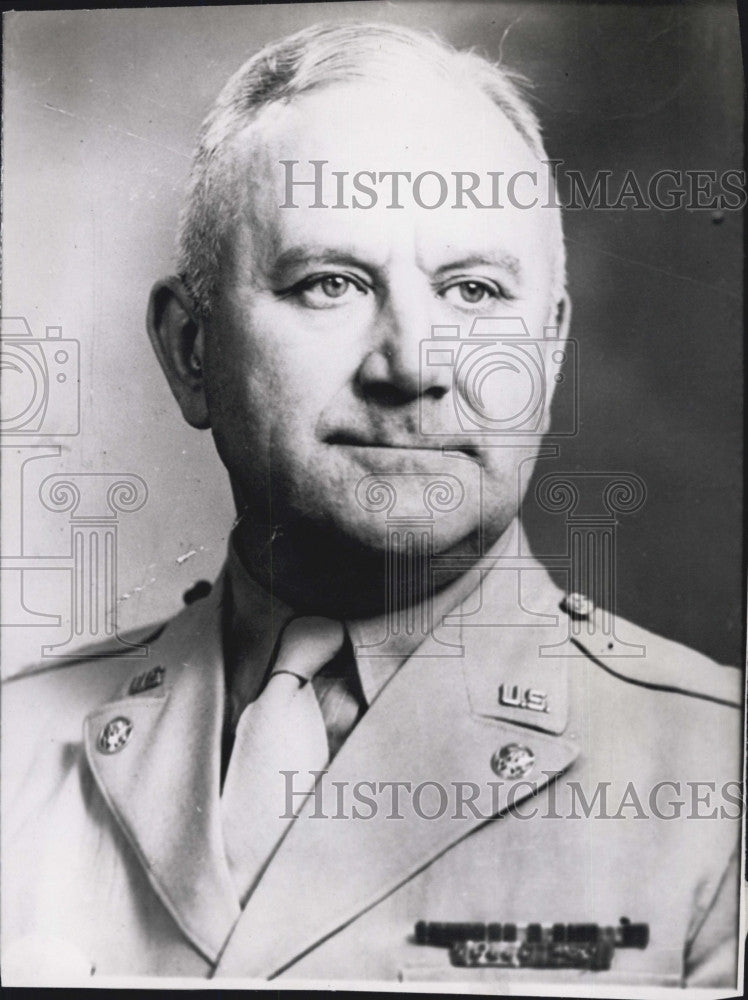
[
  {"x": 511, "y": 696},
  {"x": 578, "y": 605},
  {"x": 152, "y": 678},
  {"x": 115, "y": 735},
  {"x": 512, "y": 761}
]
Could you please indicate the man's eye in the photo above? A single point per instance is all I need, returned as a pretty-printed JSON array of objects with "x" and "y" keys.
[
  {"x": 471, "y": 293},
  {"x": 324, "y": 291},
  {"x": 334, "y": 286}
]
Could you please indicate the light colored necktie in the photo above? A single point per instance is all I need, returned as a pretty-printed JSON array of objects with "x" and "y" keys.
[{"x": 283, "y": 730}]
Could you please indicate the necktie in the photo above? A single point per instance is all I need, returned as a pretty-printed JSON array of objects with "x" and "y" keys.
[{"x": 283, "y": 730}]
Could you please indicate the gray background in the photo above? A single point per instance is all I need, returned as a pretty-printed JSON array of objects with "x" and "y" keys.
[{"x": 101, "y": 110}]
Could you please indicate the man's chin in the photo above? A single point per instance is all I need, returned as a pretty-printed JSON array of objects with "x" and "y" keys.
[
  {"x": 398, "y": 535},
  {"x": 339, "y": 565}
]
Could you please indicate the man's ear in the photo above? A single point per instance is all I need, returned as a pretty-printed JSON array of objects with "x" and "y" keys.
[
  {"x": 178, "y": 339},
  {"x": 562, "y": 318},
  {"x": 559, "y": 318}
]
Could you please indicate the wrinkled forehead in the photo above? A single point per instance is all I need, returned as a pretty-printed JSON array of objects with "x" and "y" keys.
[{"x": 332, "y": 142}]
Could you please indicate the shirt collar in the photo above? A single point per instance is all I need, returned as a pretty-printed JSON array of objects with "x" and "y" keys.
[
  {"x": 381, "y": 650},
  {"x": 256, "y": 618},
  {"x": 253, "y": 620}
]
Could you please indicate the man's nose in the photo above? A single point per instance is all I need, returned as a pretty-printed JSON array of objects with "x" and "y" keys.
[{"x": 392, "y": 372}]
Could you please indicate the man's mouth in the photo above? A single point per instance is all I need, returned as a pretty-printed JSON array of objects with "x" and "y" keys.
[{"x": 414, "y": 444}]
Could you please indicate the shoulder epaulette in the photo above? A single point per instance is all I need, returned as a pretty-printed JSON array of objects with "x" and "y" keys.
[{"x": 641, "y": 657}]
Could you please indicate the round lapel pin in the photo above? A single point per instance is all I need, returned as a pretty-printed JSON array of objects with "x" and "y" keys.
[
  {"x": 512, "y": 761},
  {"x": 114, "y": 735}
]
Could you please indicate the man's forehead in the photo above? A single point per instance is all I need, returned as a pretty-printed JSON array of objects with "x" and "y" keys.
[
  {"x": 362, "y": 125},
  {"x": 336, "y": 140},
  {"x": 283, "y": 239},
  {"x": 280, "y": 239}
]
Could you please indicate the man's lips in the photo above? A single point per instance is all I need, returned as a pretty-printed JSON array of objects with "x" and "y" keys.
[{"x": 361, "y": 441}]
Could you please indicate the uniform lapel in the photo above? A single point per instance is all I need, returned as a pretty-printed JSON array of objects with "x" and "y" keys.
[
  {"x": 428, "y": 727},
  {"x": 163, "y": 784}
]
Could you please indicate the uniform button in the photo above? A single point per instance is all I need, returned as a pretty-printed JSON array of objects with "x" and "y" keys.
[
  {"x": 115, "y": 735},
  {"x": 512, "y": 761},
  {"x": 578, "y": 605}
]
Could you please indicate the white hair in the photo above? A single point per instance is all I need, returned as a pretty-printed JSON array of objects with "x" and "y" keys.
[{"x": 307, "y": 60}]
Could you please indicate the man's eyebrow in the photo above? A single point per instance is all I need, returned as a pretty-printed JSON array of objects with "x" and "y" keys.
[
  {"x": 506, "y": 261},
  {"x": 297, "y": 255},
  {"x": 310, "y": 254}
]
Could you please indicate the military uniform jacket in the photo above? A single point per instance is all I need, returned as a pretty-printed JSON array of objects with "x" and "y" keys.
[{"x": 601, "y": 761}]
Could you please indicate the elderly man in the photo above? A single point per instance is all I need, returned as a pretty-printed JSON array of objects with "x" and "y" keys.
[{"x": 385, "y": 746}]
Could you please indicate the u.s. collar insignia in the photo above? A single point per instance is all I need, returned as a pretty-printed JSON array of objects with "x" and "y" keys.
[
  {"x": 513, "y": 696},
  {"x": 152, "y": 678}
]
